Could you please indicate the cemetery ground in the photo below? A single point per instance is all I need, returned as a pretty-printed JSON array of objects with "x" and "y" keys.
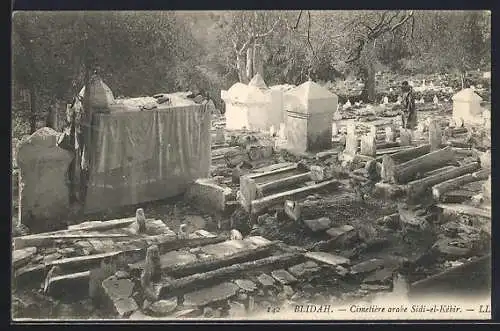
[{"x": 381, "y": 208}]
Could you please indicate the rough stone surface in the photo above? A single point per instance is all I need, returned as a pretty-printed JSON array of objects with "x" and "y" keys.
[
  {"x": 21, "y": 257},
  {"x": 266, "y": 280},
  {"x": 452, "y": 248},
  {"x": 341, "y": 231},
  {"x": 367, "y": 266},
  {"x": 328, "y": 258},
  {"x": 208, "y": 295},
  {"x": 317, "y": 173},
  {"x": 44, "y": 193},
  {"x": 283, "y": 276},
  {"x": 236, "y": 309},
  {"x": 176, "y": 258},
  {"x": 319, "y": 224},
  {"x": 125, "y": 306},
  {"x": 246, "y": 285},
  {"x": 120, "y": 274},
  {"x": 162, "y": 307},
  {"x": 381, "y": 276},
  {"x": 304, "y": 269},
  {"x": 117, "y": 288},
  {"x": 258, "y": 240}
]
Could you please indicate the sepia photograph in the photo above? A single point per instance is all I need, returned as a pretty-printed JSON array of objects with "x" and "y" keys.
[{"x": 250, "y": 165}]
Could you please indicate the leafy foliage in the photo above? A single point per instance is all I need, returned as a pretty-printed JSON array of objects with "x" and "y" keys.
[{"x": 142, "y": 53}]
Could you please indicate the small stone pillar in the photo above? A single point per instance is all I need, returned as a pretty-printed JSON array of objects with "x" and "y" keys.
[
  {"x": 140, "y": 218},
  {"x": 310, "y": 110}
]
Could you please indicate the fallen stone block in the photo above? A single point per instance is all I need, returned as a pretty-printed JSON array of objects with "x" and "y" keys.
[
  {"x": 283, "y": 277},
  {"x": 402, "y": 173},
  {"x": 419, "y": 186},
  {"x": 259, "y": 205},
  {"x": 452, "y": 248},
  {"x": 439, "y": 189},
  {"x": 162, "y": 307},
  {"x": 256, "y": 185},
  {"x": 465, "y": 209},
  {"x": 305, "y": 269},
  {"x": 176, "y": 286},
  {"x": 21, "y": 257},
  {"x": 328, "y": 258},
  {"x": 246, "y": 285},
  {"x": 381, "y": 276},
  {"x": 319, "y": 224},
  {"x": 265, "y": 280},
  {"x": 73, "y": 286},
  {"x": 367, "y": 266},
  {"x": 207, "y": 194},
  {"x": 210, "y": 295},
  {"x": 341, "y": 232}
]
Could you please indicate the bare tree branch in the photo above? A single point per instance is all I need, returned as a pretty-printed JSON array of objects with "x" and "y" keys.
[
  {"x": 406, "y": 18},
  {"x": 298, "y": 20},
  {"x": 269, "y": 31}
]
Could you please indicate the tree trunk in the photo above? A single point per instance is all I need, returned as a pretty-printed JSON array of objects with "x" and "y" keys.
[
  {"x": 241, "y": 66},
  {"x": 368, "y": 94},
  {"x": 462, "y": 79},
  {"x": 258, "y": 65},
  {"x": 32, "y": 107},
  {"x": 249, "y": 69}
]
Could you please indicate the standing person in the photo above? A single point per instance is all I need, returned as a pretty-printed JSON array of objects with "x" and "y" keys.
[{"x": 409, "y": 115}]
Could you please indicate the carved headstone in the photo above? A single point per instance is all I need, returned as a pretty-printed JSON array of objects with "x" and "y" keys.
[{"x": 44, "y": 191}]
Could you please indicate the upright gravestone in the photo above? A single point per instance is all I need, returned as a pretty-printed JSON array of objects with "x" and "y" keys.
[
  {"x": 405, "y": 137},
  {"x": 310, "y": 110},
  {"x": 368, "y": 145},
  {"x": 351, "y": 144},
  {"x": 435, "y": 135},
  {"x": 44, "y": 191}
]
